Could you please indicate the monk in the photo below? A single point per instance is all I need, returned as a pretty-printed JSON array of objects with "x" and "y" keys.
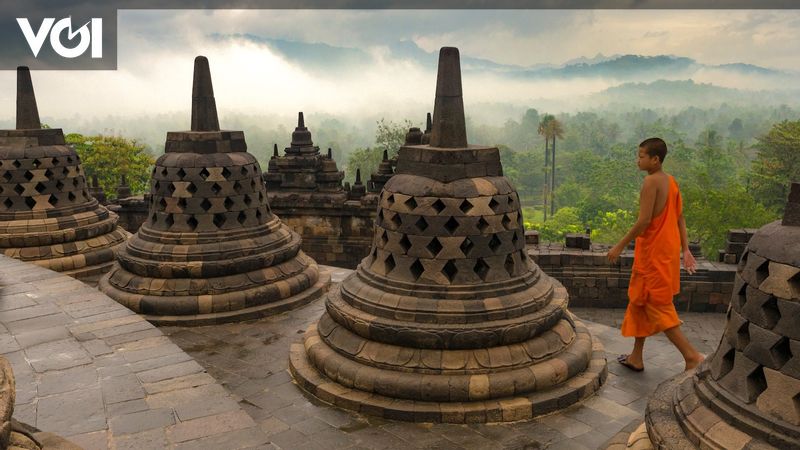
[{"x": 660, "y": 233}]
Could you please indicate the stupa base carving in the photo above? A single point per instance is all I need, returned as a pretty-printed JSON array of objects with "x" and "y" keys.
[
  {"x": 259, "y": 300},
  {"x": 556, "y": 381}
]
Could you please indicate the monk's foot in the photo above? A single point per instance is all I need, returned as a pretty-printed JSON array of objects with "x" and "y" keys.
[
  {"x": 694, "y": 361},
  {"x": 631, "y": 363}
]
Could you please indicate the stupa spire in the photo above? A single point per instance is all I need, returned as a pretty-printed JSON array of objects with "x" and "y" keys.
[
  {"x": 301, "y": 137},
  {"x": 449, "y": 126},
  {"x": 27, "y": 111},
  {"x": 204, "y": 107}
]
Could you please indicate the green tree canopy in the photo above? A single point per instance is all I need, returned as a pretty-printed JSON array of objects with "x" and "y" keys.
[
  {"x": 711, "y": 212},
  {"x": 777, "y": 163},
  {"x": 110, "y": 157},
  {"x": 389, "y": 137},
  {"x": 564, "y": 221},
  {"x": 736, "y": 129}
]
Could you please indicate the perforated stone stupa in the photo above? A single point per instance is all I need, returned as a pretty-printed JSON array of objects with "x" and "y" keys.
[
  {"x": 47, "y": 215},
  {"x": 211, "y": 250},
  {"x": 447, "y": 319},
  {"x": 747, "y": 395}
]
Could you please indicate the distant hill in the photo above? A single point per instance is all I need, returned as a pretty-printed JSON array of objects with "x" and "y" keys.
[
  {"x": 598, "y": 58},
  {"x": 627, "y": 67},
  {"x": 684, "y": 93}
]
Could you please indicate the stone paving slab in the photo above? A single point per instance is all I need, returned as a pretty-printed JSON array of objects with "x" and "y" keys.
[
  {"x": 251, "y": 359},
  {"x": 92, "y": 371}
]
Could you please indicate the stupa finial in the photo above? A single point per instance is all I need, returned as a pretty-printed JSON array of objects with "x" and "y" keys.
[
  {"x": 27, "y": 111},
  {"x": 449, "y": 126},
  {"x": 204, "y": 107},
  {"x": 301, "y": 137}
]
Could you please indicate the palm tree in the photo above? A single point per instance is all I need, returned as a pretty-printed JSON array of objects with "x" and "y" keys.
[
  {"x": 543, "y": 131},
  {"x": 551, "y": 128},
  {"x": 555, "y": 130}
]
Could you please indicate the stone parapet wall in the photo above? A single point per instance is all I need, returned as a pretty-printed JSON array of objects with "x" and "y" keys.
[
  {"x": 594, "y": 282},
  {"x": 334, "y": 234},
  {"x": 132, "y": 212}
]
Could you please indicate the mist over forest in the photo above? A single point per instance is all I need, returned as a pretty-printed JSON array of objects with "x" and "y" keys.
[
  {"x": 633, "y": 93},
  {"x": 722, "y": 122}
]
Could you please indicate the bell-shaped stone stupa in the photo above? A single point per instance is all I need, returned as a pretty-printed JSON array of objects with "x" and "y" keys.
[
  {"x": 47, "y": 215},
  {"x": 447, "y": 319},
  {"x": 211, "y": 250},
  {"x": 747, "y": 395}
]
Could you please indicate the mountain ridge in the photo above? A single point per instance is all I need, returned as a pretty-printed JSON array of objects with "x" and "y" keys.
[{"x": 324, "y": 58}]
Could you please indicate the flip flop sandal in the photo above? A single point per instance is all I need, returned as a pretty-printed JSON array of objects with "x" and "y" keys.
[{"x": 623, "y": 359}]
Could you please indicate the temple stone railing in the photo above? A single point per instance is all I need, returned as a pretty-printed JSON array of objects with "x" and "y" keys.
[
  {"x": 132, "y": 211},
  {"x": 594, "y": 282},
  {"x": 335, "y": 233}
]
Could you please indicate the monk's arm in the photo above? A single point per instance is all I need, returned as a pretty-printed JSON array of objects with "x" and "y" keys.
[
  {"x": 689, "y": 263},
  {"x": 647, "y": 201},
  {"x": 684, "y": 239}
]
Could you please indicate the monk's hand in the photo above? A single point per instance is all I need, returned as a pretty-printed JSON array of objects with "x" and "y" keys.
[
  {"x": 689, "y": 263},
  {"x": 613, "y": 254}
]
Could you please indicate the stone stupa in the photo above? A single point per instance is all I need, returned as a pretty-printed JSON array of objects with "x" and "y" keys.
[
  {"x": 303, "y": 169},
  {"x": 305, "y": 189},
  {"x": 47, "y": 215},
  {"x": 379, "y": 178},
  {"x": 447, "y": 319},
  {"x": 211, "y": 250},
  {"x": 747, "y": 395}
]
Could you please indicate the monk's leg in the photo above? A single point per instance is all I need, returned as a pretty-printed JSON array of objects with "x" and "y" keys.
[
  {"x": 636, "y": 358},
  {"x": 678, "y": 339}
]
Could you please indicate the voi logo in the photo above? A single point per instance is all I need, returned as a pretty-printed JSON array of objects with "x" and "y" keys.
[{"x": 88, "y": 37}]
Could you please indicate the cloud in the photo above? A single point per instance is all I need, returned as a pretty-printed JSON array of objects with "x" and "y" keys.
[{"x": 156, "y": 49}]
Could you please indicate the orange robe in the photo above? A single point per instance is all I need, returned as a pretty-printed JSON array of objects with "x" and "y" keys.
[{"x": 655, "y": 277}]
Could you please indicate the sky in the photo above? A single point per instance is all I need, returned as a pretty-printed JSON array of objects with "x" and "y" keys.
[{"x": 156, "y": 49}]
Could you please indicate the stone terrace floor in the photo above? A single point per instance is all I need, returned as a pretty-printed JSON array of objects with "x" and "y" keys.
[
  {"x": 90, "y": 370},
  {"x": 260, "y": 407}
]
